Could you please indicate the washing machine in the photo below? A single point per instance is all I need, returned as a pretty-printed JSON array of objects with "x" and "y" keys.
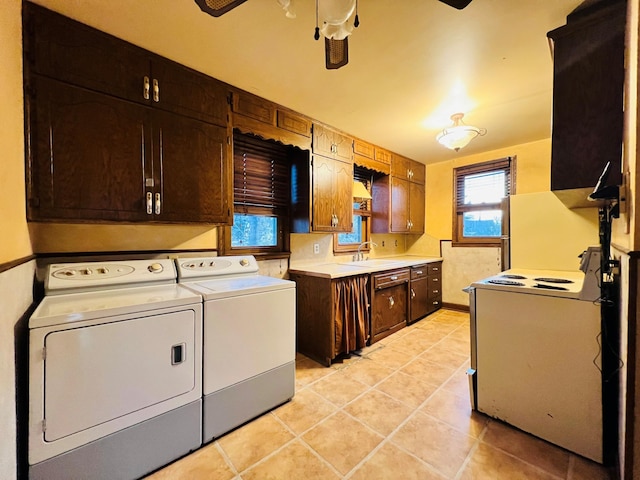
[
  {"x": 115, "y": 371},
  {"x": 249, "y": 339}
]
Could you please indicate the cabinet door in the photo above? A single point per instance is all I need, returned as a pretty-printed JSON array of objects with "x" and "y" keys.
[
  {"x": 388, "y": 309},
  {"x": 416, "y": 207},
  {"x": 323, "y": 178},
  {"x": 189, "y": 93},
  {"x": 343, "y": 196},
  {"x": 332, "y": 195},
  {"x": 332, "y": 144},
  {"x": 399, "y": 205},
  {"x": 61, "y": 48},
  {"x": 419, "y": 295},
  {"x": 192, "y": 170},
  {"x": 254, "y": 107},
  {"x": 588, "y": 89},
  {"x": 87, "y": 155}
]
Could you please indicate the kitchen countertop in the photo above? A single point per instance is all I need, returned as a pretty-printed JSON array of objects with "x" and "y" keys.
[{"x": 347, "y": 269}]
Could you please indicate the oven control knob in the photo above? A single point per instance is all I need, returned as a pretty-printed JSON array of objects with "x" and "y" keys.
[
  {"x": 155, "y": 268},
  {"x": 244, "y": 262}
]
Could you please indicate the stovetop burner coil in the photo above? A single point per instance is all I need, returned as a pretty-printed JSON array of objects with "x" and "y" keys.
[
  {"x": 553, "y": 280},
  {"x": 499, "y": 281},
  {"x": 513, "y": 276}
]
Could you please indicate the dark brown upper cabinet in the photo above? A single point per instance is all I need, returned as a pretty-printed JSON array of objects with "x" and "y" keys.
[
  {"x": 116, "y": 133},
  {"x": 588, "y": 86}
]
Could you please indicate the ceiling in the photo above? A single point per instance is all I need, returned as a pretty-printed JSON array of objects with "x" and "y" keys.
[{"x": 405, "y": 61}]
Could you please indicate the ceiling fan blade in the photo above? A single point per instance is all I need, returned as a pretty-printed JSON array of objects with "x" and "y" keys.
[
  {"x": 218, "y": 8},
  {"x": 459, "y": 4},
  {"x": 336, "y": 53}
]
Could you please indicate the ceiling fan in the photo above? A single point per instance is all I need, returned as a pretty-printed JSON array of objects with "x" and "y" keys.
[{"x": 333, "y": 15}]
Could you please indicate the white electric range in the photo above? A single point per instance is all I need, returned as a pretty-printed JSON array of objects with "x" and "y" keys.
[
  {"x": 249, "y": 332},
  {"x": 536, "y": 353},
  {"x": 115, "y": 367}
]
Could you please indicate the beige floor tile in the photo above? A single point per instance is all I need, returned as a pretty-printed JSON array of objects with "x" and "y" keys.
[
  {"x": 434, "y": 442},
  {"x": 455, "y": 410},
  {"x": 546, "y": 456},
  {"x": 427, "y": 371},
  {"x": 305, "y": 410},
  {"x": 390, "y": 463},
  {"x": 488, "y": 463},
  {"x": 339, "y": 388},
  {"x": 368, "y": 372},
  {"x": 308, "y": 371},
  {"x": 440, "y": 353},
  {"x": 583, "y": 469},
  {"x": 342, "y": 441},
  {"x": 254, "y": 441},
  {"x": 379, "y": 411},
  {"x": 206, "y": 463},
  {"x": 456, "y": 345},
  {"x": 458, "y": 383},
  {"x": 390, "y": 357},
  {"x": 295, "y": 461},
  {"x": 406, "y": 389}
]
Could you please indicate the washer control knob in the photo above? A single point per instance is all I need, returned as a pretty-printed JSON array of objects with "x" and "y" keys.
[
  {"x": 86, "y": 271},
  {"x": 244, "y": 262},
  {"x": 155, "y": 268}
]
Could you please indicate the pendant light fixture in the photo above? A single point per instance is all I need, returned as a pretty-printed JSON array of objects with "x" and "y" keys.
[{"x": 459, "y": 134}]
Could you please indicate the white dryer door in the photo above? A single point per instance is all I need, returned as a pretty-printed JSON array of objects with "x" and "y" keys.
[{"x": 98, "y": 373}]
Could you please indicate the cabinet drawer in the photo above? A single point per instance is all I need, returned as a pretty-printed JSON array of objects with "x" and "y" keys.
[
  {"x": 362, "y": 148},
  {"x": 389, "y": 279},
  {"x": 420, "y": 271},
  {"x": 434, "y": 286},
  {"x": 435, "y": 269}
]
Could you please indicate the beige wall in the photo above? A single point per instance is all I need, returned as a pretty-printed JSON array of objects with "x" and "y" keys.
[
  {"x": 14, "y": 240},
  {"x": 533, "y": 175}
]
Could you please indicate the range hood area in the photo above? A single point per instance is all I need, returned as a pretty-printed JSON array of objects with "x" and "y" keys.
[{"x": 588, "y": 98}]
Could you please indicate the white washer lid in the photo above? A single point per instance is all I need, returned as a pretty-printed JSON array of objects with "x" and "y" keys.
[
  {"x": 233, "y": 287},
  {"x": 76, "y": 307}
]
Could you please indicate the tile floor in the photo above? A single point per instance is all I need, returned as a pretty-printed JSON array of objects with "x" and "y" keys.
[{"x": 398, "y": 410}]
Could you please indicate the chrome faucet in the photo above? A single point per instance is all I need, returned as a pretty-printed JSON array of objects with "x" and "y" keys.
[{"x": 358, "y": 256}]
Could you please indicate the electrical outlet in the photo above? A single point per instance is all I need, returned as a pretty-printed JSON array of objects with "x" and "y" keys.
[{"x": 316, "y": 248}]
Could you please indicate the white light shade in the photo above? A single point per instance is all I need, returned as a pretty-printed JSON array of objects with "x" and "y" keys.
[
  {"x": 459, "y": 135},
  {"x": 360, "y": 192}
]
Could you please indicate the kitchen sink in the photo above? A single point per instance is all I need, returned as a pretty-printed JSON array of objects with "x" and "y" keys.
[{"x": 375, "y": 262}]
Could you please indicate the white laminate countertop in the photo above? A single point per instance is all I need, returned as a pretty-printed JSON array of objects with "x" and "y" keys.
[{"x": 338, "y": 270}]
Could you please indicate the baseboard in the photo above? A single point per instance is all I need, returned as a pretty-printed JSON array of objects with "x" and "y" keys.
[{"x": 456, "y": 306}]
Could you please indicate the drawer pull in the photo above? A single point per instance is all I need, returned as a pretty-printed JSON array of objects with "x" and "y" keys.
[
  {"x": 436, "y": 279},
  {"x": 145, "y": 88},
  {"x": 392, "y": 302},
  {"x": 413, "y": 294},
  {"x": 436, "y": 303},
  {"x": 393, "y": 277},
  {"x": 419, "y": 272},
  {"x": 435, "y": 269}
]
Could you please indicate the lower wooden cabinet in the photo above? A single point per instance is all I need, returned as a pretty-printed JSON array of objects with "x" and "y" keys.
[
  {"x": 389, "y": 303},
  {"x": 332, "y": 315},
  {"x": 425, "y": 293}
]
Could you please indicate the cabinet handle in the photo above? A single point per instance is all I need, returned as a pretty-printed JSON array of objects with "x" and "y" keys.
[
  {"x": 436, "y": 303},
  {"x": 392, "y": 302},
  {"x": 145, "y": 88},
  {"x": 435, "y": 269},
  {"x": 435, "y": 279},
  {"x": 156, "y": 91},
  {"x": 149, "y": 203},
  {"x": 158, "y": 205},
  {"x": 393, "y": 277},
  {"x": 418, "y": 272},
  {"x": 413, "y": 294},
  {"x": 436, "y": 291}
]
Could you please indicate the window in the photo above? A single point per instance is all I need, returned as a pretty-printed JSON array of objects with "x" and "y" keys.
[
  {"x": 261, "y": 193},
  {"x": 361, "y": 232},
  {"x": 479, "y": 191}
]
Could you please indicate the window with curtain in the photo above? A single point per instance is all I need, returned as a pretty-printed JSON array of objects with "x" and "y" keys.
[
  {"x": 261, "y": 196},
  {"x": 361, "y": 232},
  {"x": 479, "y": 193}
]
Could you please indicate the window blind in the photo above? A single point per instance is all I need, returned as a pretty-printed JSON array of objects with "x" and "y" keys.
[
  {"x": 481, "y": 183},
  {"x": 260, "y": 174}
]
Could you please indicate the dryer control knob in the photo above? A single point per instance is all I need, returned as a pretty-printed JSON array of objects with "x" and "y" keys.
[
  {"x": 244, "y": 262},
  {"x": 155, "y": 268}
]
